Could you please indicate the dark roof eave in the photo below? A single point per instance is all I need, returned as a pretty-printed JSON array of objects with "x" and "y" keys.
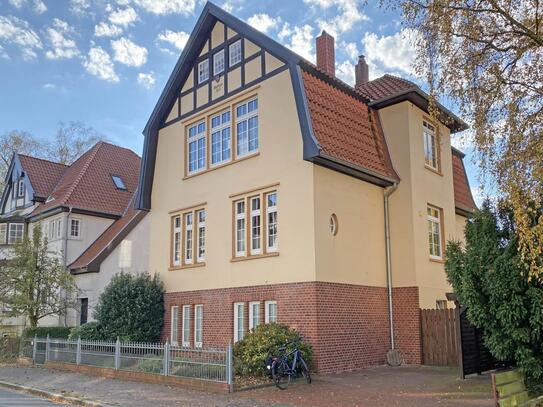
[
  {"x": 63, "y": 208},
  {"x": 420, "y": 98},
  {"x": 464, "y": 211}
]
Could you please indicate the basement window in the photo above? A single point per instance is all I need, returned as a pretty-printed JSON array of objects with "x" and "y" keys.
[{"x": 119, "y": 183}]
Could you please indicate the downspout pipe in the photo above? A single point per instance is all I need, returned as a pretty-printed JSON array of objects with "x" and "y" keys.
[
  {"x": 386, "y": 194},
  {"x": 66, "y": 230}
]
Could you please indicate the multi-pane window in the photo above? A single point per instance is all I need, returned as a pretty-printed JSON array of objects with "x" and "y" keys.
[
  {"x": 21, "y": 188},
  {"x": 247, "y": 127},
  {"x": 239, "y": 320},
  {"x": 196, "y": 148},
  {"x": 174, "y": 324},
  {"x": 203, "y": 71},
  {"x": 271, "y": 221},
  {"x": 185, "y": 334},
  {"x": 270, "y": 311},
  {"x": 3, "y": 233},
  {"x": 55, "y": 228},
  {"x": 430, "y": 146},
  {"x": 201, "y": 218},
  {"x": 187, "y": 244},
  {"x": 218, "y": 62},
  {"x": 16, "y": 231},
  {"x": 220, "y": 138},
  {"x": 176, "y": 240},
  {"x": 256, "y": 218},
  {"x": 75, "y": 227},
  {"x": 434, "y": 232},
  {"x": 254, "y": 314},
  {"x": 235, "y": 53},
  {"x": 198, "y": 325},
  {"x": 240, "y": 228}
]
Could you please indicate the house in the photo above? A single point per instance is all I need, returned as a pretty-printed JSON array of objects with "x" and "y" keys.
[
  {"x": 85, "y": 212},
  {"x": 279, "y": 193}
]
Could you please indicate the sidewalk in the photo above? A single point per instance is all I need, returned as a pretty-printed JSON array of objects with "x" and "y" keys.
[{"x": 380, "y": 386}]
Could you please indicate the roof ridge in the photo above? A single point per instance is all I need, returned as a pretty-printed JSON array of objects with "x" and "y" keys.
[{"x": 41, "y": 159}]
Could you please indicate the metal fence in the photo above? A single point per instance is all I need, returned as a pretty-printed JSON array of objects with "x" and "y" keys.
[{"x": 155, "y": 358}]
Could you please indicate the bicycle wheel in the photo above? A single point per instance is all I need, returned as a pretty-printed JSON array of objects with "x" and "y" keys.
[
  {"x": 280, "y": 374},
  {"x": 305, "y": 371}
]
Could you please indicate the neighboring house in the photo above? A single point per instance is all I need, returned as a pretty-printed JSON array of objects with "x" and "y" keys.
[
  {"x": 76, "y": 206},
  {"x": 268, "y": 182}
]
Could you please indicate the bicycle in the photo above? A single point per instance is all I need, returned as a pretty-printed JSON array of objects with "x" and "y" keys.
[{"x": 282, "y": 370}]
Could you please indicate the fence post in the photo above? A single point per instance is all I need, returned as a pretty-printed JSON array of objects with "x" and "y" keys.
[
  {"x": 78, "y": 353},
  {"x": 35, "y": 348},
  {"x": 166, "y": 359},
  {"x": 117, "y": 354},
  {"x": 230, "y": 368},
  {"x": 47, "y": 346}
]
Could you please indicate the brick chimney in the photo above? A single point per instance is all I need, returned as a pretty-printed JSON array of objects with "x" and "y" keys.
[
  {"x": 361, "y": 70},
  {"x": 326, "y": 56}
]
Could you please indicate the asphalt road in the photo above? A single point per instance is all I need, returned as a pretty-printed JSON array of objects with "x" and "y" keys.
[{"x": 10, "y": 398}]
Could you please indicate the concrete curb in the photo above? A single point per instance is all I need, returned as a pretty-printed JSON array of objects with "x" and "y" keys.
[{"x": 53, "y": 396}]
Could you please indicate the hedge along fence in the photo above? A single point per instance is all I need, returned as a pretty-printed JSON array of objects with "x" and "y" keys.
[{"x": 61, "y": 332}]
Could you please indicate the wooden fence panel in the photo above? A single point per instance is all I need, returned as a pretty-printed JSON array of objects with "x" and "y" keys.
[{"x": 439, "y": 342}]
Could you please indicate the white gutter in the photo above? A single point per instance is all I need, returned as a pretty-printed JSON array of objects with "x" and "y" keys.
[{"x": 386, "y": 194}]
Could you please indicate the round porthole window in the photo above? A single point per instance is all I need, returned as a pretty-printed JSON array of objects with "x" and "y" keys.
[{"x": 333, "y": 224}]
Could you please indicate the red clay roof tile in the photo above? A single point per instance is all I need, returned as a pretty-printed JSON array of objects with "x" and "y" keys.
[
  {"x": 463, "y": 199},
  {"x": 385, "y": 86},
  {"x": 42, "y": 174}
]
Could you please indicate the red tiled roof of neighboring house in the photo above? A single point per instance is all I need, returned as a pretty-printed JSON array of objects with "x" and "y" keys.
[
  {"x": 346, "y": 127},
  {"x": 87, "y": 183},
  {"x": 463, "y": 198},
  {"x": 385, "y": 86},
  {"x": 107, "y": 241},
  {"x": 42, "y": 174}
]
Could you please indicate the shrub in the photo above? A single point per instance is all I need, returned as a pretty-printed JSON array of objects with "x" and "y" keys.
[
  {"x": 58, "y": 332},
  {"x": 250, "y": 353},
  {"x": 150, "y": 365},
  {"x": 91, "y": 331},
  {"x": 131, "y": 308}
]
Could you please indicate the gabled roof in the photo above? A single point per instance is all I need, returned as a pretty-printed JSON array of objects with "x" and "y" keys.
[
  {"x": 385, "y": 86},
  {"x": 42, "y": 174},
  {"x": 463, "y": 199},
  {"x": 89, "y": 261},
  {"x": 87, "y": 184}
]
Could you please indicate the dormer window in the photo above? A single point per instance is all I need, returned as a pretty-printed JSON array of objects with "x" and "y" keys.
[{"x": 119, "y": 183}]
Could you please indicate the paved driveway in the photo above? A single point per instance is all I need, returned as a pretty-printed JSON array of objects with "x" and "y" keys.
[
  {"x": 382, "y": 386},
  {"x": 10, "y": 398}
]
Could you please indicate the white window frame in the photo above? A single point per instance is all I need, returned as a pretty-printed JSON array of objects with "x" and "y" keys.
[
  {"x": 218, "y": 130},
  {"x": 196, "y": 139},
  {"x": 174, "y": 324},
  {"x": 201, "y": 245},
  {"x": 176, "y": 240},
  {"x": 240, "y": 216},
  {"x": 78, "y": 222},
  {"x": 267, "y": 311},
  {"x": 255, "y": 214},
  {"x": 237, "y": 318},
  {"x": 269, "y": 211},
  {"x": 431, "y": 151},
  {"x": 185, "y": 327},
  {"x": 237, "y": 54},
  {"x": 433, "y": 220},
  {"x": 246, "y": 117},
  {"x": 188, "y": 243},
  {"x": 217, "y": 68},
  {"x": 203, "y": 71},
  {"x": 252, "y": 318},
  {"x": 21, "y": 227},
  {"x": 198, "y": 325},
  {"x": 3, "y": 233},
  {"x": 21, "y": 188},
  {"x": 59, "y": 228}
]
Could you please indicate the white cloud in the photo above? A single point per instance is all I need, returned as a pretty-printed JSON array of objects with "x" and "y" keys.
[
  {"x": 3, "y": 53},
  {"x": 391, "y": 52},
  {"x": 147, "y": 80},
  {"x": 128, "y": 53},
  {"x": 39, "y": 7},
  {"x": 107, "y": 30},
  {"x": 162, "y": 7},
  {"x": 18, "y": 32},
  {"x": 49, "y": 86},
  {"x": 263, "y": 22},
  {"x": 299, "y": 39},
  {"x": 345, "y": 72},
  {"x": 348, "y": 15},
  {"x": 62, "y": 46},
  {"x": 98, "y": 63},
  {"x": 177, "y": 39},
  {"x": 17, "y": 3},
  {"x": 123, "y": 17},
  {"x": 351, "y": 50},
  {"x": 79, "y": 7}
]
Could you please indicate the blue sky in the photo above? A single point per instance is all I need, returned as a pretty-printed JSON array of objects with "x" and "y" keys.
[{"x": 105, "y": 62}]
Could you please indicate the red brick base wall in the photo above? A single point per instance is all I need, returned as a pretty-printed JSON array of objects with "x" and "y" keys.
[
  {"x": 407, "y": 328},
  {"x": 346, "y": 324}
]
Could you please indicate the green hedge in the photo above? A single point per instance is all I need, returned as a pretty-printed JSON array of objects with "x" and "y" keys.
[
  {"x": 60, "y": 332},
  {"x": 91, "y": 331}
]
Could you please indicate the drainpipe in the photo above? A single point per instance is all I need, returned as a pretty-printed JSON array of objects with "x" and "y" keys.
[
  {"x": 66, "y": 230},
  {"x": 386, "y": 194}
]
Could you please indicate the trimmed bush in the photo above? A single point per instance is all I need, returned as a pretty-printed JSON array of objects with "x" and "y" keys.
[
  {"x": 91, "y": 331},
  {"x": 58, "y": 332},
  {"x": 251, "y": 352}
]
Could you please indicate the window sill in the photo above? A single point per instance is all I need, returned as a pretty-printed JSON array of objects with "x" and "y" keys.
[
  {"x": 256, "y": 256},
  {"x": 435, "y": 260},
  {"x": 187, "y": 266},
  {"x": 432, "y": 169},
  {"x": 222, "y": 165}
]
